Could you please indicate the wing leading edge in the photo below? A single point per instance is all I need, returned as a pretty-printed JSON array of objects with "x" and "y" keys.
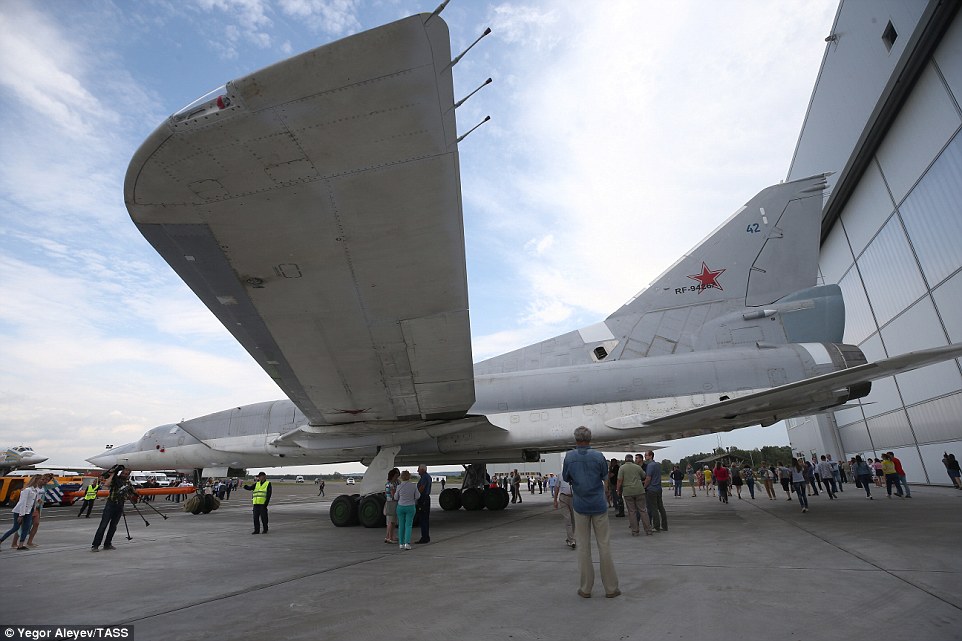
[
  {"x": 785, "y": 401},
  {"x": 315, "y": 208}
]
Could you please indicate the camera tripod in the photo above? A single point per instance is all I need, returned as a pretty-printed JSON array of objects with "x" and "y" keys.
[{"x": 141, "y": 515}]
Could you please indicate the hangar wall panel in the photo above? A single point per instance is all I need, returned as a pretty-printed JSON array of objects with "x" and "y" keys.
[
  {"x": 855, "y": 439},
  {"x": 859, "y": 321},
  {"x": 926, "y": 122},
  {"x": 890, "y": 273},
  {"x": 948, "y": 58},
  {"x": 867, "y": 210},
  {"x": 835, "y": 258},
  {"x": 948, "y": 301},
  {"x": 937, "y": 420},
  {"x": 890, "y": 430},
  {"x": 933, "y": 216},
  {"x": 932, "y": 459}
]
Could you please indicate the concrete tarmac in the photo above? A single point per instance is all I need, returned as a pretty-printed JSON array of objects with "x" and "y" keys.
[{"x": 753, "y": 569}]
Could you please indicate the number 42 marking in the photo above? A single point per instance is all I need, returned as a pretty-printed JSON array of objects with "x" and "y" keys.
[{"x": 753, "y": 229}]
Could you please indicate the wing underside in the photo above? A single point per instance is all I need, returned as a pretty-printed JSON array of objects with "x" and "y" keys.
[{"x": 315, "y": 208}]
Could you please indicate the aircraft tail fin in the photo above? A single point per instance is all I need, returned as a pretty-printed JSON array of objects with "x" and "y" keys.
[
  {"x": 752, "y": 280},
  {"x": 764, "y": 256}
]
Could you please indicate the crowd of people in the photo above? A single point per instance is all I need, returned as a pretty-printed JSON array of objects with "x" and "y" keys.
[{"x": 802, "y": 478}]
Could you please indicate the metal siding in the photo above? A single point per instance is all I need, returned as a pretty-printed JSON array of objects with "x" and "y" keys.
[
  {"x": 916, "y": 329},
  {"x": 932, "y": 217},
  {"x": 948, "y": 302},
  {"x": 873, "y": 348},
  {"x": 938, "y": 420},
  {"x": 890, "y": 273},
  {"x": 853, "y": 76},
  {"x": 869, "y": 207},
  {"x": 927, "y": 120},
  {"x": 890, "y": 430},
  {"x": 911, "y": 463},
  {"x": 883, "y": 398},
  {"x": 848, "y": 416},
  {"x": 836, "y": 257},
  {"x": 949, "y": 59},
  {"x": 932, "y": 459},
  {"x": 855, "y": 438},
  {"x": 859, "y": 322}
]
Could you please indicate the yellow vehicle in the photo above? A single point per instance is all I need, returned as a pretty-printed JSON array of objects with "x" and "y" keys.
[{"x": 10, "y": 487}]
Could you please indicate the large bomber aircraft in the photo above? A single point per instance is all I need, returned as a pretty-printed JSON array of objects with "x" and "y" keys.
[{"x": 314, "y": 206}]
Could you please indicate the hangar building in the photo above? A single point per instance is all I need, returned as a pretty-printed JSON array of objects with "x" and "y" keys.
[{"x": 885, "y": 116}]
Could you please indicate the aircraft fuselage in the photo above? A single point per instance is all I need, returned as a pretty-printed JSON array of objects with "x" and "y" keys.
[{"x": 515, "y": 414}]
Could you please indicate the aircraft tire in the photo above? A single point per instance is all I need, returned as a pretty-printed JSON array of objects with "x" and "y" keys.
[
  {"x": 208, "y": 504},
  {"x": 370, "y": 511},
  {"x": 450, "y": 499},
  {"x": 344, "y": 511},
  {"x": 472, "y": 499},
  {"x": 505, "y": 499},
  {"x": 493, "y": 500},
  {"x": 194, "y": 504}
]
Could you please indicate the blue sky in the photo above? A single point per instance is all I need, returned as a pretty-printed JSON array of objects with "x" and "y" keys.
[{"x": 621, "y": 134}]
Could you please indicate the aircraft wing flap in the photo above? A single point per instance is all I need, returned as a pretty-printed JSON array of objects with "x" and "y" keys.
[
  {"x": 785, "y": 401},
  {"x": 318, "y": 216}
]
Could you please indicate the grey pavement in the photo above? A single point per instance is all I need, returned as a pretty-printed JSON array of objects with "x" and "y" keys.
[{"x": 850, "y": 569}]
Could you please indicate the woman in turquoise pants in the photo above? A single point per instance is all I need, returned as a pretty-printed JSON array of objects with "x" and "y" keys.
[{"x": 407, "y": 495}]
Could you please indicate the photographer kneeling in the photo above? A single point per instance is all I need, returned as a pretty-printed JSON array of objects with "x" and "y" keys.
[{"x": 116, "y": 480}]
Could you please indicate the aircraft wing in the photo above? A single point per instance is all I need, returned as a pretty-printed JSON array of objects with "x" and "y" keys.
[
  {"x": 314, "y": 206},
  {"x": 785, "y": 401}
]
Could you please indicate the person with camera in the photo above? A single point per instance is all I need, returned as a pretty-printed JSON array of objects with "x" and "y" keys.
[{"x": 117, "y": 481}]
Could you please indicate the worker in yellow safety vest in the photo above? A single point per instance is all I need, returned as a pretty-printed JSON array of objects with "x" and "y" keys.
[
  {"x": 89, "y": 499},
  {"x": 262, "y": 496}
]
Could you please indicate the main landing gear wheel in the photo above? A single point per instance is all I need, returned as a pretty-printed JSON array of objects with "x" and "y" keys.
[
  {"x": 450, "y": 499},
  {"x": 371, "y": 511},
  {"x": 494, "y": 499},
  {"x": 344, "y": 511},
  {"x": 472, "y": 499}
]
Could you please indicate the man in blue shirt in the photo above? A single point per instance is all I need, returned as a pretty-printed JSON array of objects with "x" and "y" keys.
[
  {"x": 586, "y": 470},
  {"x": 424, "y": 503},
  {"x": 656, "y": 507}
]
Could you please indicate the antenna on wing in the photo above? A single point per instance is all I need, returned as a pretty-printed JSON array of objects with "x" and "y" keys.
[
  {"x": 486, "y": 119},
  {"x": 480, "y": 87},
  {"x": 437, "y": 11},
  {"x": 458, "y": 59}
]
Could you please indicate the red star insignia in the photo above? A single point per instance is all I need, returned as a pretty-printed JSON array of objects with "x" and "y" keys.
[{"x": 708, "y": 278}]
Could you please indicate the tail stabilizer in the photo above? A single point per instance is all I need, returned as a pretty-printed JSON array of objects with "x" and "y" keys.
[
  {"x": 752, "y": 280},
  {"x": 764, "y": 253}
]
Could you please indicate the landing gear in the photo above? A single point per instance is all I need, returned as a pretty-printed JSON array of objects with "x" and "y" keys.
[
  {"x": 344, "y": 510},
  {"x": 370, "y": 511},
  {"x": 474, "y": 495},
  {"x": 472, "y": 499},
  {"x": 495, "y": 498},
  {"x": 450, "y": 499}
]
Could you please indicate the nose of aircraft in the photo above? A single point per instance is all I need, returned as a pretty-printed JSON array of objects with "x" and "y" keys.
[
  {"x": 33, "y": 459},
  {"x": 106, "y": 460}
]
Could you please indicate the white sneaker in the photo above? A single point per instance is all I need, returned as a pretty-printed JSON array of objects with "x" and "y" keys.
[
  {"x": 401, "y": 547},
  {"x": 407, "y": 546}
]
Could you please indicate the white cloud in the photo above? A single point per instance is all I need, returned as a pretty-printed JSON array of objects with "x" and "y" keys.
[
  {"x": 40, "y": 66},
  {"x": 538, "y": 246},
  {"x": 333, "y": 17},
  {"x": 635, "y": 135}
]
